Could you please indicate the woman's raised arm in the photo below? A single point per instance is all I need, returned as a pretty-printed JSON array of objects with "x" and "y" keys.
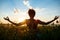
[{"x": 45, "y": 23}]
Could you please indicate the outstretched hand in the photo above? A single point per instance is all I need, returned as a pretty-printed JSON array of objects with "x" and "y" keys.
[
  {"x": 6, "y": 18},
  {"x": 56, "y": 17}
]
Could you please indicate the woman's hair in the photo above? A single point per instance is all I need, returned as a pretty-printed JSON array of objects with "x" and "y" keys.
[{"x": 31, "y": 12}]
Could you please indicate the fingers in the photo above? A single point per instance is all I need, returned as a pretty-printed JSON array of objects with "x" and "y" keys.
[
  {"x": 56, "y": 17},
  {"x": 6, "y": 18}
]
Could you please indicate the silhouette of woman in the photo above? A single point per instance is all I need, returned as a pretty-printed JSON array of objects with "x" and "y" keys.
[{"x": 31, "y": 23}]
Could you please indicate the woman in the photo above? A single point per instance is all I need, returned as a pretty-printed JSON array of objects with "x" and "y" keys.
[{"x": 31, "y": 23}]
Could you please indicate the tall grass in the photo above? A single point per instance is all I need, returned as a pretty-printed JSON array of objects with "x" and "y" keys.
[{"x": 11, "y": 32}]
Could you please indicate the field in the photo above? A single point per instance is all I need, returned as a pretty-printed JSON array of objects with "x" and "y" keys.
[{"x": 45, "y": 32}]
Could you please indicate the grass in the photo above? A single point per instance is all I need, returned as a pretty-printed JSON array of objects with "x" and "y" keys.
[{"x": 11, "y": 32}]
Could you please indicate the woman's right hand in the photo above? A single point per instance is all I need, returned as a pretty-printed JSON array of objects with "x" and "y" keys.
[{"x": 6, "y": 18}]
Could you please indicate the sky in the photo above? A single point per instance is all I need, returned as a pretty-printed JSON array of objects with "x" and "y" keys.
[{"x": 16, "y": 10}]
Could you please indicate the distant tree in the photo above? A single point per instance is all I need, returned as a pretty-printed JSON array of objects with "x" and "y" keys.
[{"x": 57, "y": 21}]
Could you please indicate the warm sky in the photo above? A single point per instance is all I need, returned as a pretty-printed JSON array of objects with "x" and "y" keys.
[{"x": 45, "y": 9}]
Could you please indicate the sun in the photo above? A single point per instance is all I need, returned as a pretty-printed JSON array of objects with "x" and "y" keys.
[{"x": 21, "y": 19}]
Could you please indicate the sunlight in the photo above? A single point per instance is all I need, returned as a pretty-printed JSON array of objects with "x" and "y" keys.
[{"x": 21, "y": 19}]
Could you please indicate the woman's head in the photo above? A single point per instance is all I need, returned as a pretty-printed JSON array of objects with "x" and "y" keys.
[{"x": 31, "y": 13}]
